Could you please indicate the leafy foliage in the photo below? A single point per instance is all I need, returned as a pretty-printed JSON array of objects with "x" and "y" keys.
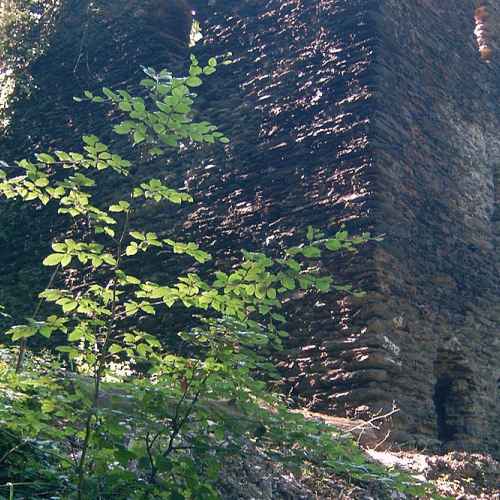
[
  {"x": 25, "y": 26},
  {"x": 115, "y": 411}
]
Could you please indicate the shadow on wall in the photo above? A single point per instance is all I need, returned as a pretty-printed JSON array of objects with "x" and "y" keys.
[{"x": 172, "y": 18}]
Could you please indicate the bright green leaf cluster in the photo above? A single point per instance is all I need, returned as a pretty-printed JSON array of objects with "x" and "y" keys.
[{"x": 128, "y": 395}]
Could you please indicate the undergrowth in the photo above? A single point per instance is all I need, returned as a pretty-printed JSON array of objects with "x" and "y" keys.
[{"x": 113, "y": 408}]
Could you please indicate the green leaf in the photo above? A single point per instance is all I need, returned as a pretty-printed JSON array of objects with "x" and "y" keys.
[
  {"x": 139, "y": 137},
  {"x": 279, "y": 317},
  {"x": 293, "y": 265},
  {"x": 97, "y": 261},
  {"x": 53, "y": 259},
  {"x": 69, "y": 350},
  {"x": 139, "y": 105},
  {"x": 311, "y": 252},
  {"x": 115, "y": 349},
  {"x": 22, "y": 332},
  {"x": 124, "y": 127},
  {"x": 66, "y": 260},
  {"x": 125, "y": 106},
  {"x": 147, "y": 82},
  {"x": 333, "y": 245},
  {"x": 76, "y": 157},
  {"x": 90, "y": 140},
  {"x": 63, "y": 156},
  {"x": 208, "y": 70},
  {"x": 48, "y": 406},
  {"x": 69, "y": 306},
  {"x": 288, "y": 282},
  {"x": 194, "y": 81},
  {"x": 75, "y": 335},
  {"x": 260, "y": 291},
  {"x": 131, "y": 250},
  {"x": 109, "y": 93},
  {"x": 147, "y": 308},
  {"x": 42, "y": 182},
  {"x": 109, "y": 231},
  {"x": 131, "y": 308},
  {"x": 46, "y": 331},
  {"x": 109, "y": 259},
  {"x": 195, "y": 71},
  {"x": 132, "y": 280},
  {"x": 45, "y": 158},
  {"x": 323, "y": 284},
  {"x": 137, "y": 235}
]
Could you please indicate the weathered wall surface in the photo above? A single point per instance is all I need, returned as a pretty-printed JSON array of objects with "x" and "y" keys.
[
  {"x": 382, "y": 114},
  {"x": 378, "y": 114},
  {"x": 437, "y": 146},
  {"x": 297, "y": 104}
]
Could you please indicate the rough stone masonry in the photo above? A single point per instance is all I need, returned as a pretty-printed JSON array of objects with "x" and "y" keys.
[
  {"x": 383, "y": 115},
  {"x": 378, "y": 114}
]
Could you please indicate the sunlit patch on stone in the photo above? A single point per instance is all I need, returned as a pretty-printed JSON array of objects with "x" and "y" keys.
[{"x": 482, "y": 32}]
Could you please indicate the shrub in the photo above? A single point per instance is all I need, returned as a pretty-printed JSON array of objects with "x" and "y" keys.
[{"x": 113, "y": 410}]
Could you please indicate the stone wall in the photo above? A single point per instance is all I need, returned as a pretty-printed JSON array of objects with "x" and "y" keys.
[
  {"x": 381, "y": 115},
  {"x": 438, "y": 146},
  {"x": 297, "y": 104},
  {"x": 377, "y": 114}
]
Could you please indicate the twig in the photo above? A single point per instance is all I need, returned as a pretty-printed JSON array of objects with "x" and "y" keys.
[
  {"x": 378, "y": 445},
  {"x": 370, "y": 423},
  {"x": 177, "y": 425},
  {"x": 83, "y": 37},
  {"x": 149, "y": 449},
  {"x": 101, "y": 364},
  {"x": 12, "y": 450}
]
